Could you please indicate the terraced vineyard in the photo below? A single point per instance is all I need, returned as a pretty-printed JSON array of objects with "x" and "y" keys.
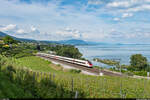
[{"x": 41, "y": 79}]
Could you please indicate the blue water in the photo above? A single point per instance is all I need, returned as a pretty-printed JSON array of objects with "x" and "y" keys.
[{"x": 116, "y": 52}]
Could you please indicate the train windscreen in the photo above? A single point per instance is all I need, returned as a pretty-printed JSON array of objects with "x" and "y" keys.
[{"x": 90, "y": 63}]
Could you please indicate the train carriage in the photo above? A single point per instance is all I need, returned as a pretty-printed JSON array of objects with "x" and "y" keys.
[{"x": 66, "y": 59}]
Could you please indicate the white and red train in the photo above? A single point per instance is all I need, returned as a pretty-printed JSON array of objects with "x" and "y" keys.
[{"x": 66, "y": 59}]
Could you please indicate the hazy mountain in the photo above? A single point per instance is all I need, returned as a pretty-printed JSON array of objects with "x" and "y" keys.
[
  {"x": 73, "y": 42},
  {"x": 68, "y": 42},
  {"x": 2, "y": 34}
]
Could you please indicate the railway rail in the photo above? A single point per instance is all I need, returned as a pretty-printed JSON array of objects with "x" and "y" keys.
[{"x": 91, "y": 70}]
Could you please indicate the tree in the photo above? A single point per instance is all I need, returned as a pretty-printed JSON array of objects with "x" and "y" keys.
[
  {"x": 148, "y": 68},
  {"x": 9, "y": 40},
  {"x": 69, "y": 51},
  {"x": 38, "y": 47},
  {"x": 138, "y": 62}
]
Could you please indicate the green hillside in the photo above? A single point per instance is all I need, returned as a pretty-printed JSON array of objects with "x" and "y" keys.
[
  {"x": 11, "y": 90},
  {"x": 52, "y": 83},
  {"x": 24, "y": 75}
]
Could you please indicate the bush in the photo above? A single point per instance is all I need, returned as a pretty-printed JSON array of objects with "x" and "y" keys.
[
  {"x": 9, "y": 40},
  {"x": 75, "y": 71},
  {"x": 129, "y": 73},
  {"x": 83, "y": 58},
  {"x": 140, "y": 73},
  {"x": 2, "y": 61},
  {"x": 97, "y": 67},
  {"x": 58, "y": 65},
  {"x": 69, "y": 51},
  {"x": 23, "y": 54},
  {"x": 38, "y": 87},
  {"x": 148, "y": 68},
  {"x": 138, "y": 62},
  {"x": 64, "y": 85}
]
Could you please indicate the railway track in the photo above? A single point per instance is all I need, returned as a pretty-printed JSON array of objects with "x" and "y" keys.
[{"x": 91, "y": 70}]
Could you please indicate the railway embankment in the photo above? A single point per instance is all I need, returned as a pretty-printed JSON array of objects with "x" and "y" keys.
[
  {"x": 84, "y": 70},
  {"x": 92, "y": 71},
  {"x": 92, "y": 86},
  {"x": 69, "y": 66}
]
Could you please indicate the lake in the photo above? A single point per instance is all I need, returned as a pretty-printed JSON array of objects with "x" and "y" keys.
[{"x": 116, "y": 52}]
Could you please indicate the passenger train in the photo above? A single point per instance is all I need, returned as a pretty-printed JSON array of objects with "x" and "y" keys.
[{"x": 66, "y": 59}]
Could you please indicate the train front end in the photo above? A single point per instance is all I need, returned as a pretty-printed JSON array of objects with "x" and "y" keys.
[{"x": 90, "y": 65}]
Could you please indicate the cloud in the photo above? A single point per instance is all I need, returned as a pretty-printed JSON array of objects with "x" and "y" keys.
[
  {"x": 20, "y": 31},
  {"x": 69, "y": 33},
  {"x": 127, "y": 15},
  {"x": 119, "y": 4},
  {"x": 127, "y": 3},
  {"x": 116, "y": 19},
  {"x": 128, "y": 6},
  {"x": 34, "y": 30},
  {"x": 8, "y": 27},
  {"x": 139, "y": 8},
  {"x": 94, "y": 2}
]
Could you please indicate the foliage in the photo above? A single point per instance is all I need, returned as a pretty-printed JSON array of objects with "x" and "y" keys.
[
  {"x": 123, "y": 66},
  {"x": 107, "y": 61},
  {"x": 9, "y": 40},
  {"x": 117, "y": 70},
  {"x": 58, "y": 65},
  {"x": 89, "y": 86},
  {"x": 98, "y": 67},
  {"x": 75, "y": 71},
  {"x": 38, "y": 47},
  {"x": 148, "y": 68},
  {"x": 62, "y": 50},
  {"x": 140, "y": 73},
  {"x": 129, "y": 73},
  {"x": 138, "y": 62},
  {"x": 8, "y": 89},
  {"x": 17, "y": 50},
  {"x": 39, "y": 85},
  {"x": 83, "y": 58},
  {"x": 43, "y": 82},
  {"x": 138, "y": 65},
  {"x": 13, "y": 48},
  {"x": 69, "y": 51}
]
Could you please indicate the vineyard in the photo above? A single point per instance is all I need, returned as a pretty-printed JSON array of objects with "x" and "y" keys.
[{"x": 37, "y": 77}]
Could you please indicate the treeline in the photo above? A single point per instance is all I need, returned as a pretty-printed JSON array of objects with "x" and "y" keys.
[
  {"x": 62, "y": 50},
  {"x": 107, "y": 61},
  {"x": 13, "y": 48},
  {"x": 139, "y": 65},
  {"x": 138, "y": 62}
]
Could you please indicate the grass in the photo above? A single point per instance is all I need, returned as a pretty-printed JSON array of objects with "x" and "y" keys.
[
  {"x": 39, "y": 64},
  {"x": 35, "y": 63},
  {"x": 11, "y": 90},
  {"x": 91, "y": 86}
]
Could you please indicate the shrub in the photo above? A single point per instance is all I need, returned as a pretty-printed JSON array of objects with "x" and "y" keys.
[
  {"x": 140, "y": 73},
  {"x": 75, "y": 71},
  {"x": 138, "y": 62},
  {"x": 129, "y": 73},
  {"x": 58, "y": 65}
]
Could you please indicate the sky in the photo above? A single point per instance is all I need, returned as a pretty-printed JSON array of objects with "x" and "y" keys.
[{"x": 111, "y": 21}]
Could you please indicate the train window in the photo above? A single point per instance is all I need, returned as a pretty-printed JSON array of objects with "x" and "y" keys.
[
  {"x": 89, "y": 63},
  {"x": 80, "y": 62}
]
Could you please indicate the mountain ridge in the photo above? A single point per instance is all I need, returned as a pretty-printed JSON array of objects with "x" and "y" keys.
[{"x": 69, "y": 42}]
